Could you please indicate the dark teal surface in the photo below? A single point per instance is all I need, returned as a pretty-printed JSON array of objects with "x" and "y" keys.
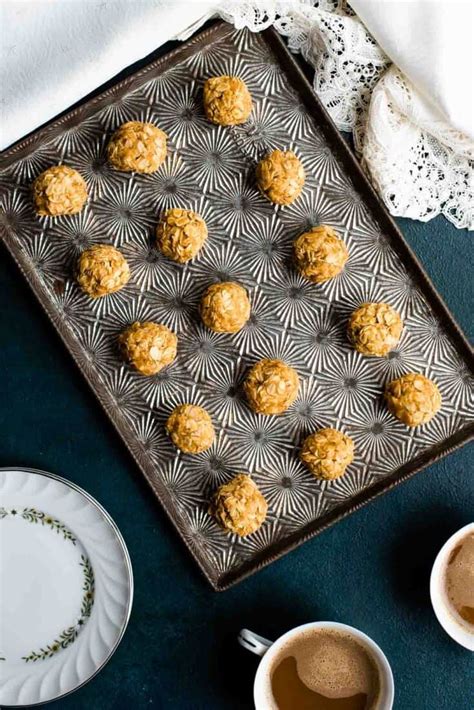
[{"x": 370, "y": 570}]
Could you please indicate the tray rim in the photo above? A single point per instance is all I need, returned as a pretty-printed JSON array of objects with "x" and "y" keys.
[{"x": 385, "y": 222}]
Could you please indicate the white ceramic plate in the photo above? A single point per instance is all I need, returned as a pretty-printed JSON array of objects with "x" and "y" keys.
[{"x": 66, "y": 587}]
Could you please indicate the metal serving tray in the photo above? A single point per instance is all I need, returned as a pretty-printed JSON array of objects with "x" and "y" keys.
[{"x": 211, "y": 169}]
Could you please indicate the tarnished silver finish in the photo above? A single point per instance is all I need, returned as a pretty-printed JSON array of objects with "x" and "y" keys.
[{"x": 210, "y": 169}]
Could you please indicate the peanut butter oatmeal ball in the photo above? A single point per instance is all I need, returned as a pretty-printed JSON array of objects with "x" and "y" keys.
[
  {"x": 101, "y": 270},
  {"x": 271, "y": 386},
  {"x": 59, "y": 190},
  {"x": 320, "y": 254},
  {"x": 190, "y": 428},
  {"x": 375, "y": 328},
  {"x": 327, "y": 453},
  {"x": 413, "y": 398},
  {"x": 280, "y": 176},
  {"x": 227, "y": 101},
  {"x": 148, "y": 347},
  {"x": 225, "y": 307},
  {"x": 180, "y": 234},
  {"x": 238, "y": 506},
  {"x": 137, "y": 147}
]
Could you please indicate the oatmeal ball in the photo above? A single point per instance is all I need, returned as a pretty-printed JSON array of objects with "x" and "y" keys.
[
  {"x": 375, "y": 328},
  {"x": 137, "y": 147},
  {"x": 227, "y": 101},
  {"x": 180, "y": 234},
  {"x": 190, "y": 428},
  {"x": 271, "y": 386},
  {"x": 280, "y": 176},
  {"x": 327, "y": 453},
  {"x": 413, "y": 398},
  {"x": 239, "y": 506},
  {"x": 101, "y": 270},
  {"x": 225, "y": 307},
  {"x": 59, "y": 190},
  {"x": 320, "y": 254},
  {"x": 148, "y": 347}
]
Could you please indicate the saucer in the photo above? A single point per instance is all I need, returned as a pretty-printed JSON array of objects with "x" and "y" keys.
[{"x": 66, "y": 587}]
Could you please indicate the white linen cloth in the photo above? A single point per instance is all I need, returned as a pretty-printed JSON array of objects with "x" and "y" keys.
[
  {"x": 55, "y": 52},
  {"x": 412, "y": 119}
]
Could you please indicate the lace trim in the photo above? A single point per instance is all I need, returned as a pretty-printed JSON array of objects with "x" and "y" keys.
[
  {"x": 416, "y": 172},
  {"x": 420, "y": 165}
]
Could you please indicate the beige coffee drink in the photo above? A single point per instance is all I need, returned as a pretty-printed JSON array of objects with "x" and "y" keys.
[
  {"x": 459, "y": 578},
  {"x": 324, "y": 669}
]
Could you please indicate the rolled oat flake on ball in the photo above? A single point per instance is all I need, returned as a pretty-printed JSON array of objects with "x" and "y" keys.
[
  {"x": 271, "y": 386},
  {"x": 59, "y": 190},
  {"x": 238, "y": 506},
  {"x": 227, "y": 100},
  {"x": 375, "y": 329},
  {"x": 281, "y": 176},
  {"x": 190, "y": 428},
  {"x": 225, "y": 307},
  {"x": 413, "y": 398},
  {"x": 102, "y": 269},
  {"x": 137, "y": 147},
  {"x": 327, "y": 453},
  {"x": 320, "y": 254},
  {"x": 180, "y": 234},
  {"x": 148, "y": 346}
]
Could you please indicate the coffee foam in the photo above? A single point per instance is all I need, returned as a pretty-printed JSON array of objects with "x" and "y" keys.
[
  {"x": 459, "y": 579},
  {"x": 334, "y": 665},
  {"x": 331, "y": 663}
]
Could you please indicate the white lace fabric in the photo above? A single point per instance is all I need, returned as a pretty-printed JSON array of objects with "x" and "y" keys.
[{"x": 420, "y": 165}]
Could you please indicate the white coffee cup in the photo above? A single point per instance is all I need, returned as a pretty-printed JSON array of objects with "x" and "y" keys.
[
  {"x": 445, "y": 614},
  {"x": 270, "y": 649}
]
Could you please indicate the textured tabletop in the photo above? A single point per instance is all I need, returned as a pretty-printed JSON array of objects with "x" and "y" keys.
[{"x": 371, "y": 570}]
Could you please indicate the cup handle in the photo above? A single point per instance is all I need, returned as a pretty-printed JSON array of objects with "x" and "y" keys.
[{"x": 253, "y": 642}]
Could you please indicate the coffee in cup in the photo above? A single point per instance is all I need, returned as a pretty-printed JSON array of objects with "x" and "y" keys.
[
  {"x": 459, "y": 580},
  {"x": 324, "y": 669},
  {"x": 323, "y": 665},
  {"x": 452, "y": 586}
]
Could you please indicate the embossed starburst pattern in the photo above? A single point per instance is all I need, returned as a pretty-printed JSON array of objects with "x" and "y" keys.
[
  {"x": 181, "y": 114},
  {"x": 263, "y": 131},
  {"x": 126, "y": 108},
  {"x": 147, "y": 263},
  {"x": 310, "y": 411},
  {"x": 92, "y": 163},
  {"x": 77, "y": 233},
  {"x": 216, "y": 465},
  {"x": 406, "y": 357},
  {"x": 288, "y": 487},
  {"x": 260, "y": 439},
  {"x": 457, "y": 382},
  {"x": 211, "y": 169},
  {"x": 375, "y": 431},
  {"x": 223, "y": 392},
  {"x": 241, "y": 207},
  {"x": 171, "y": 186},
  {"x": 221, "y": 263},
  {"x": 123, "y": 211},
  {"x": 214, "y": 158},
  {"x": 321, "y": 339},
  {"x": 203, "y": 352},
  {"x": 349, "y": 382},
  {"x": 355, "y": 480},
  {"x": 293, "y": 297},
  {"x": 264, "y": 251}
]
